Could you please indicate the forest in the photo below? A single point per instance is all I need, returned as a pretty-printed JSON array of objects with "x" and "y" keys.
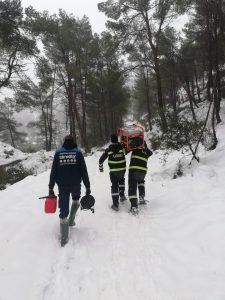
[{"x": 140, "y": 68}]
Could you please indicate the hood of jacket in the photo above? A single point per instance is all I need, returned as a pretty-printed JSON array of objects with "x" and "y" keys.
[
  {"x": 115, "y": 147},
  {"x": 69, "y": 144}
]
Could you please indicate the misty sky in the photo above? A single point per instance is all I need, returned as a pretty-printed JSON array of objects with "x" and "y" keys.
[
  {"x": 79, "y": 8},
  {"x": 76, "y": 7}
]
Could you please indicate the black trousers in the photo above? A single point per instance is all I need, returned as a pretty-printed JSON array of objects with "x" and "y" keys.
[
  {"x": 136, "y": 180},
  {"x": 118, "y": 186},
  {"x": 64, "y": 198}
]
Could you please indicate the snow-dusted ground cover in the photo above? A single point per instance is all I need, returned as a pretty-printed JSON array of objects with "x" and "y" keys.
[
  {"x": 35, "y": 162},
  {"x": 174, "y": 249},
  {"x": 8, "y": 154}
]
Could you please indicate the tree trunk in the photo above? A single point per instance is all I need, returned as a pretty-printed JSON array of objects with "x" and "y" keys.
[
  {"x": 215, "y": 141},
  {"x": 196, "y": 83},
  {"x": 51, "y": 113},
  {"x": 72, "y": 106},
  {"x": 157, "y": 70},
  {"x": 160, "y": 97},
  {"x": 217, "y": 96},
  {"x": 210, "y": 53},
  {"x": 10, "y": 131},
  {"x": 83, "y": 106},
  {"x": 146, "y": 81}
]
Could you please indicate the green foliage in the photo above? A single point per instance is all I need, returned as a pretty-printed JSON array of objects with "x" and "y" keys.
[
  {"x": 144, "y": 91},
  {"x": 11, "y": 175},
  {"x": 3, "y": 176},
  {"x": 9, "y": 132},
  {"x": 39, "y": 95},
  {"x": 10, "y": 18},
  {"x": 16, "y": 43},
  {"x": 183, "y": 6},
  {"x": 156, "y": 142},
  {"x": 182, "y": 134},
  {"x": 108, "y": 95}
]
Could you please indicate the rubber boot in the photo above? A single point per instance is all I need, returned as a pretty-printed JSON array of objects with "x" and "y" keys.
[
  {"x": 142, "y": 200},
  {"x": 74, "y": 207},
  {"x": 64, "y": 231},
  {"x": 134, "y": 206},
  {"x": 123, "y": 198}
]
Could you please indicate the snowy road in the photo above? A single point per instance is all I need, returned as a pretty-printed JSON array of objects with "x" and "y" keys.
[{"x": 174, "y": 249}]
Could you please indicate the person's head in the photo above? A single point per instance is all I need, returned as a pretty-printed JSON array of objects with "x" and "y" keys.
[
  {"x": 114, "y": 138},
  {"x": 69, "y": 142}
]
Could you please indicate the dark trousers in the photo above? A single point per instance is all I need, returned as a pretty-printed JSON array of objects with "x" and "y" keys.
[
  {"x": 64, "y": 198},
  {"x": 118, "y": 186},
  {"x": 136, "y": 181},
  {"x": 141, "y": 189}
]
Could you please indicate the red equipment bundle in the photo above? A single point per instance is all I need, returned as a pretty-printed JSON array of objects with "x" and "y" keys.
[{"x": 132, "y": 136}]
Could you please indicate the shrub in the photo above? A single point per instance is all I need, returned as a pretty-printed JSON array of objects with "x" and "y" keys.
[
  {"x": 12, "y": 174},
  {"x": 181, "y": 133},
  {"x": 8, "y": 153}
]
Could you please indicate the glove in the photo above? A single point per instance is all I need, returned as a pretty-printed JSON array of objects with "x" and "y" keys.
[
  {"x": 100, "y": 167},
  {"x": 145, "y": 145},
  {"x": 51, "y": 193},
  {"x": 88, "y": 191}
]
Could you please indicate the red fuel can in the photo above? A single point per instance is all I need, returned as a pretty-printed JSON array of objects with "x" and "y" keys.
[{"x": 50, "y": 205}]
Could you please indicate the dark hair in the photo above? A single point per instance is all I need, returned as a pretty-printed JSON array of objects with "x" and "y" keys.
[
  {"x": 114, "y": 138},
  {"x": 68, "y": 137},
  {"x": 69, "y": 142}
]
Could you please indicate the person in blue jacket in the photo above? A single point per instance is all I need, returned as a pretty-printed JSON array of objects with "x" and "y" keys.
[{"x": 68, "y": 171}]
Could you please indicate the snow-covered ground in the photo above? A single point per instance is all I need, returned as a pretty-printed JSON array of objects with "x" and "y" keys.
[
  {"x": 174, "y": 249},
  {"x": 8, "y": 154},
  {"x": 37, "y": 162}
]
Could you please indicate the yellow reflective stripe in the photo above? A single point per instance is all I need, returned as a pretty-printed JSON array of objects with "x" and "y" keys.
[
  {"x": 141, "y": 184},
  {"x": 132, "y": 197},
  {"x": 138, "y": 168},
  {"x": 118, "y": 169},
  {"x": 139, "y": 157},
  {"x": 120, "y": 151},
  {"x": 116, "y": 162},
  {"x": 100, "y": 165}
]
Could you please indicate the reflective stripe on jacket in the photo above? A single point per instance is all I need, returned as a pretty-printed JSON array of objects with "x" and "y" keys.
[
  {"x": 139, "y": 159},
  {"x": 116, "y": 158}
]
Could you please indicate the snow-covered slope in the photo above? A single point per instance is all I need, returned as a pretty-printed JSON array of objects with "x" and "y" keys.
[
  {"x": 174, "y": 249},
  {"x": 8, "y": 154},
  {"x": 37, "y": 162}
]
